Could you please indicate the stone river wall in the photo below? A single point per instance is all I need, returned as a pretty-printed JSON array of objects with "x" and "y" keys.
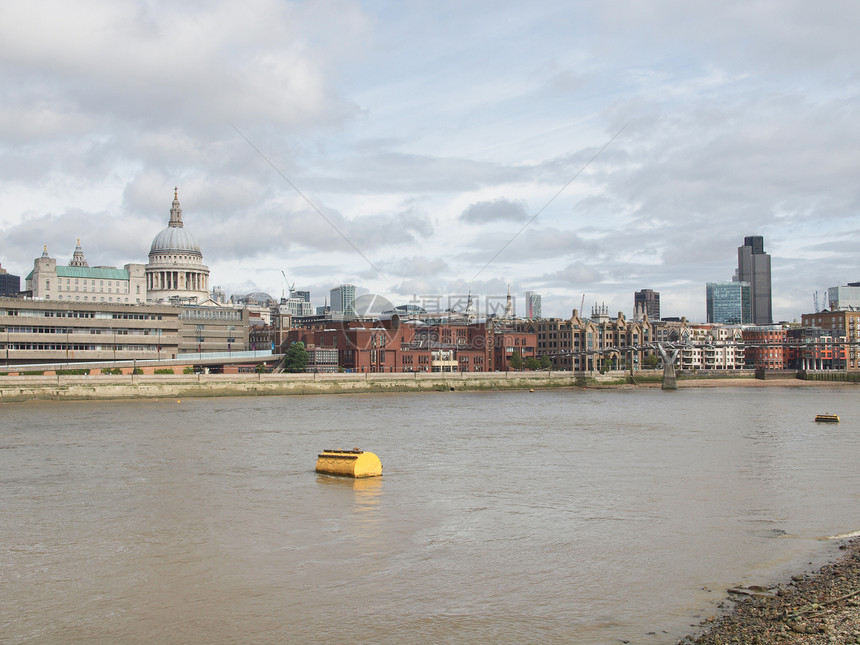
[{"x": 106, "y": 387}]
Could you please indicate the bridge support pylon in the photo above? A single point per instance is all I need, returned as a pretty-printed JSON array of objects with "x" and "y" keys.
[{"x": 670, "y": 381}]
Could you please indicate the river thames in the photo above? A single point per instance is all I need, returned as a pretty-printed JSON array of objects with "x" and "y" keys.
[{"x": 569, "y": 516}]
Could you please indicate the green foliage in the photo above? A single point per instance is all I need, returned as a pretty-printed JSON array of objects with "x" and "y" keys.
[
  {"x": 165, "y": 370},
  {"x": 37, "y": 373},
  {"x": 137, "y": 370},
  {"x": 111, "y": 370},
  {"x": 296, "y": 359},
  {"x": 70, "y": 372},
  {"x": 532, "y": 363},
  {"x": 188, "y": 370},
  {"x": 545, "y": 362},
  {"x": 516, "y": 361},
  {"x": 651, "y": 361},
  {"x": 260, "y": 369}
]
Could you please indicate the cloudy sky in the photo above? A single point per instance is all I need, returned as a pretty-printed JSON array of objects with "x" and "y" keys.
[{"x": 426, "y": 148}]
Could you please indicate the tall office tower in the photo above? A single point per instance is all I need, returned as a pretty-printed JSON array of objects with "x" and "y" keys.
[
  {"x": 303, "y": 295},
  {"x": 728, "y": 303},
  {"x": 754, "y": 268},
  {"x": 647, "y": 301},
  {"x": 532, "y": 305},
  {"x": 343, "y": 301},
  {"x": 10, "y": 285}
]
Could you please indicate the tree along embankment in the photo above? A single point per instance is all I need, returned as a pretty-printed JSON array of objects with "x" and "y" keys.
[{"x": 101, "y": 386}]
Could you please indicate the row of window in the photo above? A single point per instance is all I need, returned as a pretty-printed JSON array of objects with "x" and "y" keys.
[
  {"x": 210, "y": 314},
  {"x": 79, "y": 348},
  {"x": 87, "y": 298},
  {"x": 82, "y": 330}
]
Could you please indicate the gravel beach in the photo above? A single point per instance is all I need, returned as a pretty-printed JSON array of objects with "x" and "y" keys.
[{"x": 820, "y": 608}]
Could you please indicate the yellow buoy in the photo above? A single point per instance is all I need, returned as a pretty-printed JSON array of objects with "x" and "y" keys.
[{"x": 349, "y": 463}]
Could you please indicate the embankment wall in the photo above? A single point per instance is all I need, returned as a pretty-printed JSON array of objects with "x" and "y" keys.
[{"x": 78, "y": 387}]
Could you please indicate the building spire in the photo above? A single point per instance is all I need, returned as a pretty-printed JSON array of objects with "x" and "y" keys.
[
  {"x": 175, "y": 210},
  {"x": 78, "y": 259},
  {"x": 509, "y": 305},
  {"x": 45, "y": 252}
]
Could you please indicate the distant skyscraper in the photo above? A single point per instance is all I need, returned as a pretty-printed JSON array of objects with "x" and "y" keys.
[
  {"x": 754, "y": 268},
  {"x": 343, "y": 301},
  {"x": 533, "y": 305},
  {"x": 10, "y": 285},
  {"x": 647, "y": 301},
  {"x": 728, "y": 303}
]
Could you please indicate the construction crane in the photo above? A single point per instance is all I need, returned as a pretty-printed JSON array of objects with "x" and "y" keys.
[{"x": 291, "y": 287}]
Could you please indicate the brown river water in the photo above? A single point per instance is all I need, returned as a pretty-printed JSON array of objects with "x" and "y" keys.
[{"x": 564, "y": 516}]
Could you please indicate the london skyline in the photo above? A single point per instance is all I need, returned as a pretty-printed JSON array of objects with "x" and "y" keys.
[{"x": 452, "y": 146}]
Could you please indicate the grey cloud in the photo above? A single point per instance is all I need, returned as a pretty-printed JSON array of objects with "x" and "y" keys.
[{"x": 498, "y": 210}]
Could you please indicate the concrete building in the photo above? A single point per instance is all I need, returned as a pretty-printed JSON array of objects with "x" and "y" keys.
[
  {"x": 728, "y": 303},
  {"x": 647, "y": 301},
  {"x": 79, "y": 282},
  {"x": 847, "y": 297},
  {"x": 10, "y": 285},
  {"x": 175, "y": 272},
  {"x": 53, "y": 331},
  {"x": 213, "y": 328},
  {"x": 754, "y": 269}
]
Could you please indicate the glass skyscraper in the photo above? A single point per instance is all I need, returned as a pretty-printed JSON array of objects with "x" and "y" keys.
[
  {"x": 729, "y": 303},
  {"x": 343, "y": 301},
  {"x": 533, "y": 305}
]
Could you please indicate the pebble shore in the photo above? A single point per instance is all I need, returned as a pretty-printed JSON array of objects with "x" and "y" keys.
[{"x": 820, "y": 608}]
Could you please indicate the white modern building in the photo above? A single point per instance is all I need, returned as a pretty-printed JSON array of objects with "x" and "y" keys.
[{"x": 848, "y": 297}]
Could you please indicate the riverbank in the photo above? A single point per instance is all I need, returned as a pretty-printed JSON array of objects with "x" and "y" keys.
[
  {"x": 822, "y": 607},
  {"x": 155, "y": 386},
  {"x": 109, "y": 387}
]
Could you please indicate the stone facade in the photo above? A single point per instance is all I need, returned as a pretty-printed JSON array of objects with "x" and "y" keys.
[
  {"x": 78, "y": 282},
  {"x": 175, "y": 272}
]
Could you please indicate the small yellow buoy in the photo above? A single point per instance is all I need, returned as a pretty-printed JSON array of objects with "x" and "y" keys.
[{"x": 349, "y": 463}]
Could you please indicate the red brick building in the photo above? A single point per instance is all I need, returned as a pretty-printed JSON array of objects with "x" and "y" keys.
[
  {"x": 765, "y": 347},
  {"x": 393, "y": 346}
]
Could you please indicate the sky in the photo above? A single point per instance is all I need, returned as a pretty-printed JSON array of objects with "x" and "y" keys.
[{"x": 423, "y": 150}]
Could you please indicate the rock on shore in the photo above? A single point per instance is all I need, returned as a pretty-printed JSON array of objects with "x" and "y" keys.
[{"x": 820, "y": 608}]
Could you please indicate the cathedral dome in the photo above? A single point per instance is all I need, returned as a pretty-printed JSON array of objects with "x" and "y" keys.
[
  {"x": 175, "y": 272},
  {"x": 174, "y": 238}
]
